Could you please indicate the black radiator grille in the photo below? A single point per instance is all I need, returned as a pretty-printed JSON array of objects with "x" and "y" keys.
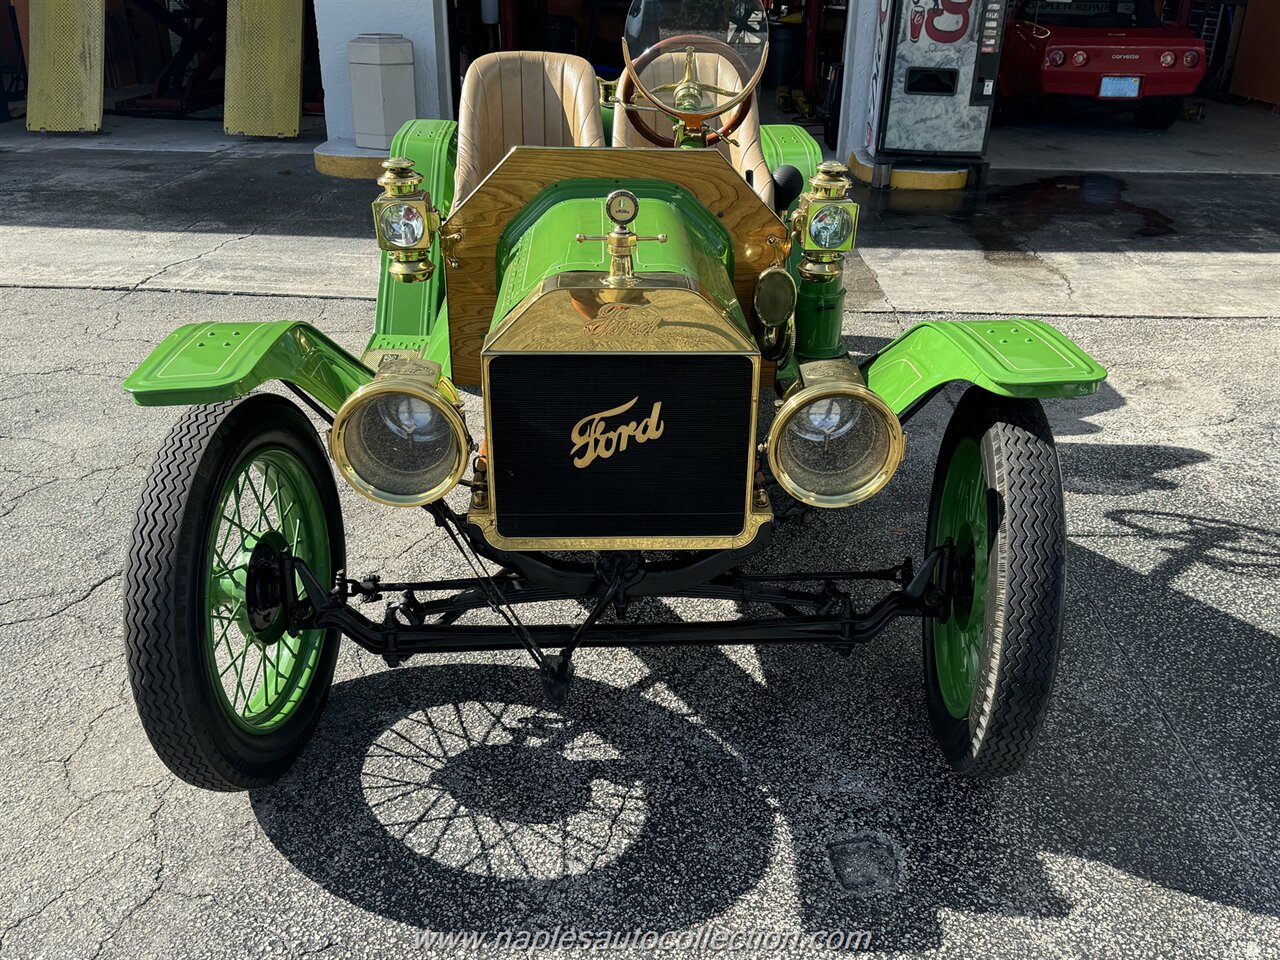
[{"x": 689, "y": 481}]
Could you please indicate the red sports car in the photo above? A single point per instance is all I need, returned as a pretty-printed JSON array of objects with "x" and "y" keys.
[{"x": 1116, "y": 51}]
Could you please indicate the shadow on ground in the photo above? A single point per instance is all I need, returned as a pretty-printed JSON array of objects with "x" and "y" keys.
[
  {"x": 452, "y": 797},
  {"x": 1021, "y": 214}
]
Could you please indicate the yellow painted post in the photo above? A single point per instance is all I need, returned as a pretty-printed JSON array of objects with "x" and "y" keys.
[
  {"x": 64, "y": 89},
  {"x": 264, "y": 68}
]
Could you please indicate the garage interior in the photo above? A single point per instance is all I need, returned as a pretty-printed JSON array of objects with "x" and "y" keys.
[{"x": 204, "y": 60}]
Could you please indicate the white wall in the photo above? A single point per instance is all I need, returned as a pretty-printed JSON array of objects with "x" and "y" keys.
[
  {"x": 424, "y": 22},
  {"x": 859, "y": 54}
]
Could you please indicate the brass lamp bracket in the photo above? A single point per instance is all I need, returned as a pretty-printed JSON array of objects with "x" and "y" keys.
[{"x": 621, "y": 207}]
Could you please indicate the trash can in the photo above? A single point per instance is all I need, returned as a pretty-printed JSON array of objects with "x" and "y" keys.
[
  {"x": 382, "y": 91},
  {"x": 786, "y": 55}
]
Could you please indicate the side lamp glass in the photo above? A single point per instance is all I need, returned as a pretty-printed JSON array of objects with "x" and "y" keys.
[{"x": 831, "y": 228}]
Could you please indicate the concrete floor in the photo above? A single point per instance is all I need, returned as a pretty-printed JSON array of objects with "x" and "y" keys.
[
  {"x": 1231, "y": 139},
  {"x": 154, "y": 134},
  {"x": 686, "y": 789}
]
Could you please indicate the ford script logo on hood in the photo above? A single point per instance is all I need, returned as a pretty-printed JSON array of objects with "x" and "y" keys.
[{"x": 594, "y": 439}]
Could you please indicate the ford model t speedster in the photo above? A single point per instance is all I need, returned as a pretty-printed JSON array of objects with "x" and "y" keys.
[{"x": 645, "y": 284}]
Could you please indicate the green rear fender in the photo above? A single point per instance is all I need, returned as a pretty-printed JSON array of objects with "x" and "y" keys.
[
  {"x": 211, "y": 362},
  {"x": 1010, "y": 358}
]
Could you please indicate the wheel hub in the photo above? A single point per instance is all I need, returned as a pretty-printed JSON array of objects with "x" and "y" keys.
[
  {"x": 963, "y": 575},
  {"x": 963, "y": 584},
  {"x": 266, "y": 570}
]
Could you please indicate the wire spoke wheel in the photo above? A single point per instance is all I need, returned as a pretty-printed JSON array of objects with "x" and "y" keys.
[
  {"x": 990, "y": 659},
  {"x": 269, "y": 510},
  {"x": 227, "y": 692}
]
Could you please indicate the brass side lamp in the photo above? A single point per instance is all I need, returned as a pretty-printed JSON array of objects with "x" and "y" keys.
[
  {"x": 406, "y": 221},
  {"x": 825, "y": 222}
]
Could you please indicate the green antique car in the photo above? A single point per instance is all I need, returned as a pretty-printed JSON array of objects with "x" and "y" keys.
[{"x": 645, "y": 284}]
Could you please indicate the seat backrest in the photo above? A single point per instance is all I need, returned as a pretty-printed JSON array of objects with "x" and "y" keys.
[
  {"x": 523, "y": 98},
  {"x": 747, "y": 157}
]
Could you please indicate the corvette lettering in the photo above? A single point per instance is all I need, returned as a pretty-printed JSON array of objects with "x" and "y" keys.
[{"x": 593, "y": 438}]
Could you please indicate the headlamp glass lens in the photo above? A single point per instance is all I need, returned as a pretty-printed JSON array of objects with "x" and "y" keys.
[
  {"x": 402, "y": 444},
  {"x": 834, "y": 445}
]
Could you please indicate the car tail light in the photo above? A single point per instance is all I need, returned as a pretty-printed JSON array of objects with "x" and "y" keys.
[
  {"x": 1190, "y": 58},
  {"x": 1079, "y": 58},
  {"x": 1167, "y": 59},
  {"x": 1057, "y": 58}
]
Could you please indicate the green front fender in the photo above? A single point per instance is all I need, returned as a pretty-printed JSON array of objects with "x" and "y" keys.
[
  {"x": 1010, "y": 358},
  {"x": 210, "y": 362}
]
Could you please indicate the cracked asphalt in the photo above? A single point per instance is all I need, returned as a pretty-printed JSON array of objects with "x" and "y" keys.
[{"x": 679, "y": 790}]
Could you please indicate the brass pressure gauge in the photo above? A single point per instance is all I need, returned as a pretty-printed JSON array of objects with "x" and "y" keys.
[
  {"x": 405, "y": 220},
  {"x": 825, "y": 222},
  {"x": 622, "y": 207}
]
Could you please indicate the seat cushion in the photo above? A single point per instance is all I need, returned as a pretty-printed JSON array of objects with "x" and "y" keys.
[
  {"x": 523, "y": 98},
  {"x": 747, "y": 157}
]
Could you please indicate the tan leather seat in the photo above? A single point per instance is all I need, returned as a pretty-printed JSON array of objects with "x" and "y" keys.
[
  {"x": 747, "y": 157},
  {"x": 522, "y": 98}
]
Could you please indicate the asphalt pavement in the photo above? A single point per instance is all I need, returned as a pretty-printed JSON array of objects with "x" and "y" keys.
[{"x": 691, "y": 790}]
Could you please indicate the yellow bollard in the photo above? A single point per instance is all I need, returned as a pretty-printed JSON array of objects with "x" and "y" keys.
[{"x": 264, "y": 68}]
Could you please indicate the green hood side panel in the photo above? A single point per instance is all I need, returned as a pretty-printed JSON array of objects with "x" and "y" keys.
[
  {"x": 211, "y": 362},
  {"x": 1011, "y": 358}
]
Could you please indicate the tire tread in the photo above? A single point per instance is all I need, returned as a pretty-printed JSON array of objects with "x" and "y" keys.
[
  {"x": 167, "y": 674},
  {"x": 162, "y": 700},
  {"x": 1020, "y": 648}
]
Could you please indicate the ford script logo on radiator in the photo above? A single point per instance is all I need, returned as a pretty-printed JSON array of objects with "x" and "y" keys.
[{"x": 594, "y": 438}]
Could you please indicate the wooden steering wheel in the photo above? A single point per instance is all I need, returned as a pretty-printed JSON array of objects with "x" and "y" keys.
[{"x": 738, "y": 109}]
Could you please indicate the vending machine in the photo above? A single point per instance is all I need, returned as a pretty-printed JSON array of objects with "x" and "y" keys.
[{"x": 933, "y": 78}]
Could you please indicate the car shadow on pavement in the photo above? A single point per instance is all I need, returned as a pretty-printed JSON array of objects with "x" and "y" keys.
[
  {"x": 452, "y": 797},
  {"x": 1158, "y": 759},
  {"x": 740, "y": 786}
]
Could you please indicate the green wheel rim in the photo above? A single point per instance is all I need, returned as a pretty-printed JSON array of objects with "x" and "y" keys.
[
  {"x": 963, "y": 516},
  {"x": 261, "y": 673}
]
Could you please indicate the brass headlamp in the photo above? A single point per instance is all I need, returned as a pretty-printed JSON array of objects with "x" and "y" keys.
[
  {"x": 834, "y": 442},
  {"x": 825, "y": 222},
  {"x": 401, "y": 439},
  {"x": 406, "y": 221}
]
